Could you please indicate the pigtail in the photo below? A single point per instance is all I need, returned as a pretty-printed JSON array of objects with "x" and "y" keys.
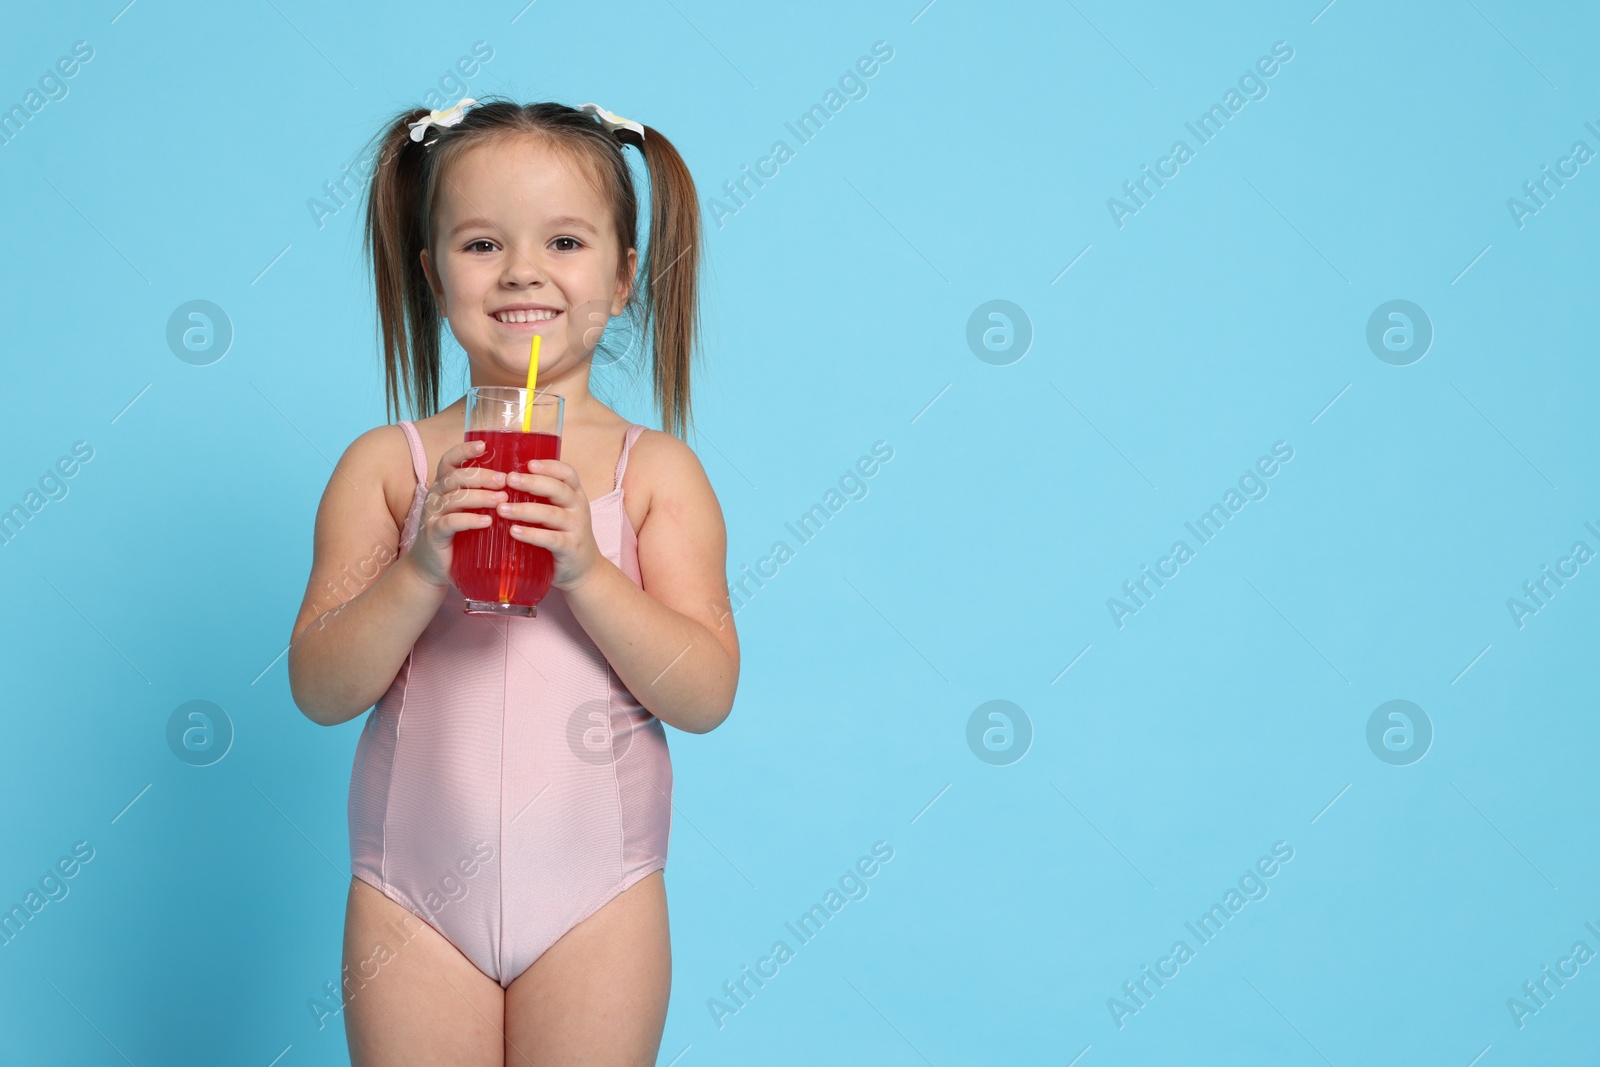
[
  {"x": 671, "y": 277},
  {"x": 408, "y": 316}
]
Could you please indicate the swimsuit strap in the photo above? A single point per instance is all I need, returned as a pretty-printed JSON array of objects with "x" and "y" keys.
[
  {"x": 634, "y": 430},
  {"x": 419, "y": 458}
]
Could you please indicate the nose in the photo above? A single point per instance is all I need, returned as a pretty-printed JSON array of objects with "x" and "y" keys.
[{"x": 521, "y": 269}]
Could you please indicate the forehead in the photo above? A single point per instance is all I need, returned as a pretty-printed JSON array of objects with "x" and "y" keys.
[{"x": 519, "y": 179}]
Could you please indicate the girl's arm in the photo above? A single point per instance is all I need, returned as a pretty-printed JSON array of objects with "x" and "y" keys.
[
  {"x": 671, "y": 643},
  {"x": 363, "y": 608}
]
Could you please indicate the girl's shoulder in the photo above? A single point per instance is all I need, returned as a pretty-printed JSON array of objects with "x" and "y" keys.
[
  {"x": 382, "y": 456},
  {"x": 670, "y": 470},
  {"x": 656, "y": 454}
]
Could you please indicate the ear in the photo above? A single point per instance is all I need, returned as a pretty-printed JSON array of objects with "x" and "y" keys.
[
  {"x": 434, "y": 284},
  {"x": 625, "y": 282}
]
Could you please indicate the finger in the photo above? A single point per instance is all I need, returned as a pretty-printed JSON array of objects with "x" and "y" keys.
[
  {"x": 456, "y": 521},
  {"x": 532, "y": 511},
  {"x": 553, "y": 468},
  {"x": 535, "y": 535},
  {"x": 457, "y": 454},
  {"x": 442, "y": 499},
  {"x": 448, "y": 499},
  {"x": 461, "y": 499},
  {"x": 545, "y": 485},
  {"x": 479, "y": 477}
]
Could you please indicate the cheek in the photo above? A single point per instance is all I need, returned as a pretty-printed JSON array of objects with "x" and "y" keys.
[{"x": 470, "y": 293}]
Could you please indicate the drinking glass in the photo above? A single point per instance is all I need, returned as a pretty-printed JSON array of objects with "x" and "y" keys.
[{"x": 496, "y": 573}]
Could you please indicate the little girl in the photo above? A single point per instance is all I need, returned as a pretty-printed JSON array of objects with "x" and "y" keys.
[{"x": 512, "y": 788}]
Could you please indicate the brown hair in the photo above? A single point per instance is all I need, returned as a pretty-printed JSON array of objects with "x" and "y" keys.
[{"x": 400, "y": 210}]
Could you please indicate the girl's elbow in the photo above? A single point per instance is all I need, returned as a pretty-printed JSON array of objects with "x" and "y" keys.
[
  {"x": 320, "y": 706},
  {"x": 309, "y": 707},
  {"x": 719, "y": 714}
]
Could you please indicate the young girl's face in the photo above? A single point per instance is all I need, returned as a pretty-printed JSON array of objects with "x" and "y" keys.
[{"x": 521, "y": 233}]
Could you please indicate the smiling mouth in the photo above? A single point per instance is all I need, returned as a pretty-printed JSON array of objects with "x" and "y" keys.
[{"x": 523, "y": 318}]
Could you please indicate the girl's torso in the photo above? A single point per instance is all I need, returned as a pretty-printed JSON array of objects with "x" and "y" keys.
[{"x": 508, "y": 784}]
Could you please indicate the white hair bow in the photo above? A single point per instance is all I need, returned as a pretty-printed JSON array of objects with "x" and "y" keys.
[
  {"x": 448, "y": 117},
  {"x": 611, "y": 120}
]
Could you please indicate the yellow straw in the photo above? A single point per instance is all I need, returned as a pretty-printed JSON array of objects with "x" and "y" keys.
[{"x": 533, "y": 377}]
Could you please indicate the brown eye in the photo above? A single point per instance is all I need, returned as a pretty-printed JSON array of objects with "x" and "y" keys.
[{"x": 572, "y": 239}]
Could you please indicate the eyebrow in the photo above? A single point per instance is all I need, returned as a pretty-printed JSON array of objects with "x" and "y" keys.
[
  {"x": 564, "y": 220},
  {"x": 574, "y": 221}
]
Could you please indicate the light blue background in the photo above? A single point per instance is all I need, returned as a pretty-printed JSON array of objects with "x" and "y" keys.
[{"x": 1227, "y": 715}]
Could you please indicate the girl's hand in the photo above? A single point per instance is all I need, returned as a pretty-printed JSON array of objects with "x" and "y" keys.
[
  {"x": 444, "y": 514},
  {"x": 569, "y": 527}
]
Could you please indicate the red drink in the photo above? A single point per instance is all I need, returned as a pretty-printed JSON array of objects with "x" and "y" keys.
[{"x": 491, "y": 568}]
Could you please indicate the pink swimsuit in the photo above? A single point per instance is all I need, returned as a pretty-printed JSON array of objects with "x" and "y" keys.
[{"x": 508, "y": 785}]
